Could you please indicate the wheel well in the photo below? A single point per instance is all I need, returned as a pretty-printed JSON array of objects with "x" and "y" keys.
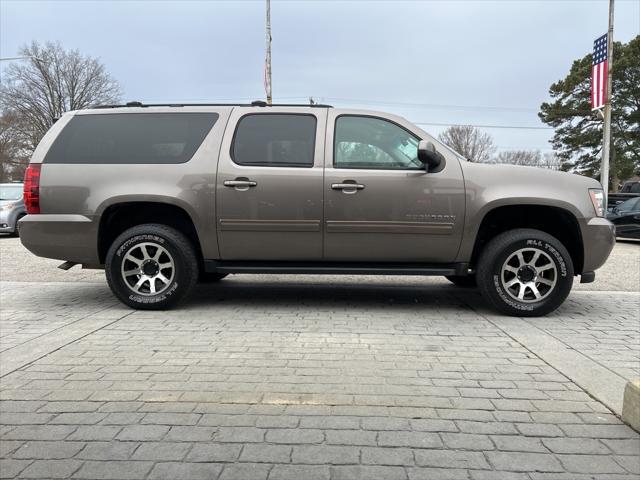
[
  {"x": 118, "y": 218},
  {"x": 553, "y": 220}
]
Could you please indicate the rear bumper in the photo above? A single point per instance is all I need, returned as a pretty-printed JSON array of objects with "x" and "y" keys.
[
  {"x": 63, "y": 237},
  {"x": 598, "y": 238}
]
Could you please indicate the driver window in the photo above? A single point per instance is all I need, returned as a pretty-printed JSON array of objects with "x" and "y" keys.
[{"x": 374, "y": 143}]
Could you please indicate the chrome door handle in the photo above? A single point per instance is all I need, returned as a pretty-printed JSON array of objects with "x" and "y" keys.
[
  {"x": 240, "y": 183},
  {"x": 347, "y": 186}
]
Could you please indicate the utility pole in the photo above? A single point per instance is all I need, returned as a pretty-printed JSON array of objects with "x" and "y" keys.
[
  {"x": 606, "y": 140},
  {"x": 267, "y": 66}
]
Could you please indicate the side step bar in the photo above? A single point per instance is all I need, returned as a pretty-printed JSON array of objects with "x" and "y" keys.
[{"x": 336, "y": 268}]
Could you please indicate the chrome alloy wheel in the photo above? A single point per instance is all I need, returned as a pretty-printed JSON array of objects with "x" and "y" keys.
[
  {"x": 148, "y": 268},
  {"x": 529, "y": 275}
]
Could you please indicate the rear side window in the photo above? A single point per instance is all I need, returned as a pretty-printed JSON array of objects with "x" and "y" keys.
[
  {"x": 131, "y": 138},
  {"x": 275, "y": 140}
]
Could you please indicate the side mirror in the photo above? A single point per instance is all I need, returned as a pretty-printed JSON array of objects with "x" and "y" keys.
[{"x": 429, "y": 156}]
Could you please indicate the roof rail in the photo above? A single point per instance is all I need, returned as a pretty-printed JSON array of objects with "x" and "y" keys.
[{"x": 256, "y": 103}]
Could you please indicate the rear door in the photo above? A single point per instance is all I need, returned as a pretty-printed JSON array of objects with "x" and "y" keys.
[
  {"x": 269, "y": 184},
  {"x": 381, "y": 205}
]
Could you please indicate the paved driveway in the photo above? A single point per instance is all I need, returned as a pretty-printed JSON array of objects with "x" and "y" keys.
[{"x": 313, "y": 377}]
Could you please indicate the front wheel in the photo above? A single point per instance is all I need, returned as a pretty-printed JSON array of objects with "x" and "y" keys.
[
  {"x": 151, "y": 267},
  {"x": 525, "y": 273}
]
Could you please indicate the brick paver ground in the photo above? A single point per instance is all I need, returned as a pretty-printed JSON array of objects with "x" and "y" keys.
[
  {"x": 259, "y": 380},
  {"x": 608, "y": 332}
]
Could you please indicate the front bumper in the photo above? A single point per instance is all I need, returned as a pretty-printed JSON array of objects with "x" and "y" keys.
[
  {"x": 63, "y": 237},
  {"x": 598, "y": 239}
]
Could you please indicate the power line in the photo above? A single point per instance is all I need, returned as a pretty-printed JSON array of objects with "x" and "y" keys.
[
  {"x": 516, "y": 147},
  {"x": 435, "y": 105},
  {"x": 517, "y": 127},
  {"x": 493, "y": 108}
]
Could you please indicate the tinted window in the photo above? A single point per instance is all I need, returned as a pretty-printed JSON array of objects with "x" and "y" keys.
[
  {"x": 373, "y": 143},
  {"x": 275, "y": 140},
  {"x": 635, "y": 188},
  {"x": 131, "y": 138}
]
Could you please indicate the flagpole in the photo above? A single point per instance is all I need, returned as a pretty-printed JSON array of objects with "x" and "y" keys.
[
  {"x": 267, "y": 66},
  {"x": 606, "y": 140}
]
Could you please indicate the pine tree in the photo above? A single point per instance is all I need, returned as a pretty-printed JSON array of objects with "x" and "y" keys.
[{"x": 578, "y": 131}]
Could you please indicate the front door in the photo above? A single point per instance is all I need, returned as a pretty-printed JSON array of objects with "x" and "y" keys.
[
  {"x": 380, "y": 204},
  {"x": 269, "y": 185}
]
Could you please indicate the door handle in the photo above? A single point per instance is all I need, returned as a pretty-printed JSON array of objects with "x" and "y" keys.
[
  {"x": 347, "y": 186},
  {"x": 240, "y": 183}
]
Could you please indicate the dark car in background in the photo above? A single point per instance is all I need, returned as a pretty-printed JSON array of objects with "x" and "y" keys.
[
  {"x": 630, "y": 189},
  {"x": 11, "y": 207},
  {"x": 626, "y": 218}
]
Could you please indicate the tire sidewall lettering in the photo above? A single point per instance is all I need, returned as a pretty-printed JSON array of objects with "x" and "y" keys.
[
  {"x": 125, "y": 246},
  {"x": 507, "y": 299}
]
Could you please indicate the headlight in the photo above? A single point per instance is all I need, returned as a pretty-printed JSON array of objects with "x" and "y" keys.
[{"x": 597, "y": 199}]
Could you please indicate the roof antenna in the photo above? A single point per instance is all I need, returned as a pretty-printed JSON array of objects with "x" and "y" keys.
[{"x": 311, "y": 101}]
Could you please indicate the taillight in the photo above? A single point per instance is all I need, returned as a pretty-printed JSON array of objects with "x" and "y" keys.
[{"x": 32, "y": 188}]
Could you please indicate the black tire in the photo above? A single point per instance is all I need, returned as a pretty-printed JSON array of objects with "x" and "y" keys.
[
  {"x": 177, "y": 250},
  {"x": 463, "y": 281},
  {"x": 211, "y": 277},
  {"x": 492, "y": 270}
]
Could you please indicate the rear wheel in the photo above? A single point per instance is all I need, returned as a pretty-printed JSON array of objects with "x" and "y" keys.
[
  {"x": 463, "y": 281},
  {"x": 525, "y": 273},
  {"x": 151, "y": 267}
]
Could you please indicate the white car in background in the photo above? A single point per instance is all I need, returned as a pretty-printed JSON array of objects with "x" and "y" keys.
[{"x": 11, "y": 207}]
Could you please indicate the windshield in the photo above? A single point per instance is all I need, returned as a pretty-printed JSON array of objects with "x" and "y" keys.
[
  {"x": 10, "y": 192},
  {"x": 628, "y": 205}
]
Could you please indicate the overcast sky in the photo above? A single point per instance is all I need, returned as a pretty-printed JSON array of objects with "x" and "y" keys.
[{"x": 439, "y": 62}]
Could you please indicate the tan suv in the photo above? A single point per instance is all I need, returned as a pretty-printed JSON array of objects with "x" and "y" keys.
[{"x": 163, "y": 195}]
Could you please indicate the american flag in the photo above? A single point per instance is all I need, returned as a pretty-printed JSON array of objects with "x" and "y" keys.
[{"x": 599, "y": 73}]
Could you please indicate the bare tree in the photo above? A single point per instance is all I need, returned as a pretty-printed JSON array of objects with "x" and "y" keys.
[
  {"x": 471, "y": 143},
  {"x": 552, "y": 161},
  {"x": 13, "y": 152},
  {"x": 531, "y": 158},
  {"x": 54, "y": 80}
]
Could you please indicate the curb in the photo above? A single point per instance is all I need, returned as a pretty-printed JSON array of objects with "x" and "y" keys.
[{"x": 631, "y": 404}]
